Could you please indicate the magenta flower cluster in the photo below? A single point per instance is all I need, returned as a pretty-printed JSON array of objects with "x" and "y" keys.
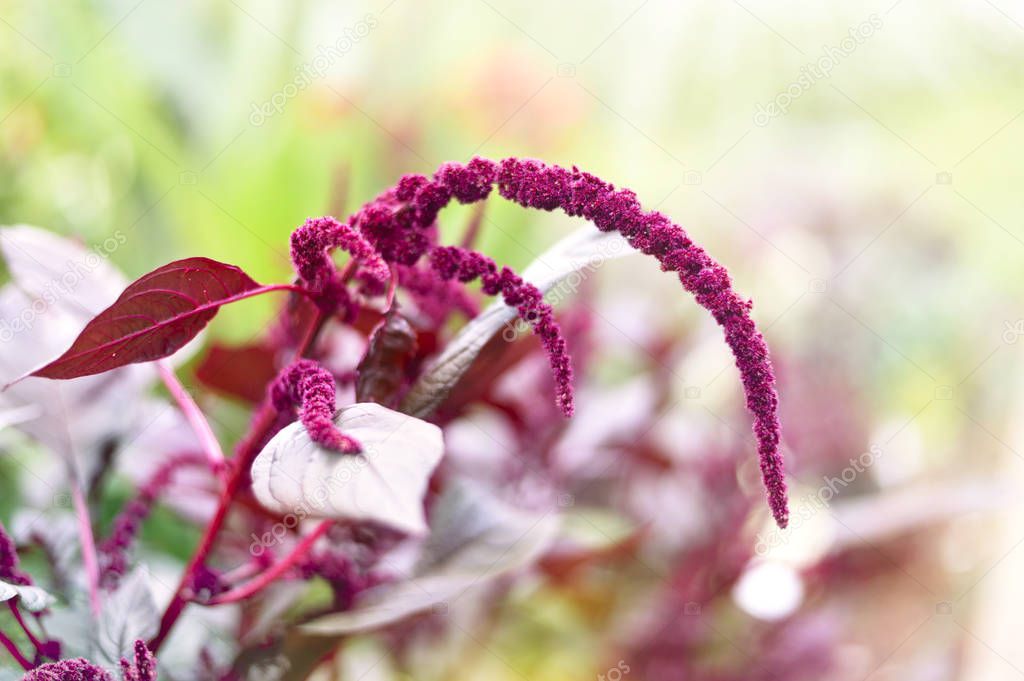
[
  {"x": 400, "y": 227},
  {"x": 308, "y": 386},
  {"x": 10, "y": 570},
  {"x": 142, "y": 668}
]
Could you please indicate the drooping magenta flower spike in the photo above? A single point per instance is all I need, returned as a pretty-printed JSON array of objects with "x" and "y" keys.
[
  {"x": 400, "y": 226},
  {"x": 309, "y": 387}
]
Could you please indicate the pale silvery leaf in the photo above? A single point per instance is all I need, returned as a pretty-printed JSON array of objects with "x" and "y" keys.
[
  {"x": 54, "y": 269},
  {"x": 16, "y": 415},
  {"x": 474, "y": 538},
  {"x": 57, "y": 287},
  {"x": 558, "y": 273},
  {"x": 385, "y": 483},
  {"x": 128, "y": 614},
  {"x": 31, "y": 598}
]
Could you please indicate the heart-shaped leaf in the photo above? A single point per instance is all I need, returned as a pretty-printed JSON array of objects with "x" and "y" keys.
[
  {"x": 474, "y": 538},
  {"x": 582, "y": 250},
  {"x": 385, "y": 483},
  {"x": 154, "y": 317}
]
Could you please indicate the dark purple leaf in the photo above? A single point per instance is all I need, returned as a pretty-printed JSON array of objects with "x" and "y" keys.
[{"x": 154, "y": 317}]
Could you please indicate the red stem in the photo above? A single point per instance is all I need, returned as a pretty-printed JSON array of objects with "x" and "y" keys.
[
  {"x": 15, "y": 653},
  {"x": 276, "y": 570},
  {"x": 248, "y": 449},
  {"x": 12, "y": 604}
]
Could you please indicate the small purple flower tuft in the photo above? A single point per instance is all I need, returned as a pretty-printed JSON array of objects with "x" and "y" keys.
[
  {"x": 312, "y": 241},
  {"x": 9, "y": 566},
  {"x": 144, "y": 666},
  {"x": 76, "y": 669},
  {"x": 309, "y": 386}
]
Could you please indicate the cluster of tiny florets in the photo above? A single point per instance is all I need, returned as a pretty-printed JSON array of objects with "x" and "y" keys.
[
  {"x": 400, "y": 226},
  {"x": 75, "y": 669},
  {"x": 311, "y": 245},
  {"x": 308, "y": 386},
  {"x": 536, "y": 185},
  {"x": 142, "y": 668},
  {"x": 452, "y": 262}
]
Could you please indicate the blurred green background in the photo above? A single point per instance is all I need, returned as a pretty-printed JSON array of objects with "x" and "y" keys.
[{"x": 875, "y": 221}]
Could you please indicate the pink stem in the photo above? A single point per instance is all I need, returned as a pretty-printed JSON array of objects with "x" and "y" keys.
[
  {"x": 15, "y": 653},
  {"x": 195, "y": 417},
  {"x": 92, "y": 566},
  {"x": 275, "y": 570}
]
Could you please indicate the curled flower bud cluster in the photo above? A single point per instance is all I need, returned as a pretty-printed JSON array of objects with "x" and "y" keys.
[
  {"x": 308, "y": 386},
  {"x": 311, "y": 245}
]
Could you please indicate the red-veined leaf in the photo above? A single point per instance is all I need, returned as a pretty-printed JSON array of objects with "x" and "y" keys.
[{"x": 154, "y": 317}]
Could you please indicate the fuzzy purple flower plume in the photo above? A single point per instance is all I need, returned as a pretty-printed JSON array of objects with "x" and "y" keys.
[{"x": 400, "y": 226}]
